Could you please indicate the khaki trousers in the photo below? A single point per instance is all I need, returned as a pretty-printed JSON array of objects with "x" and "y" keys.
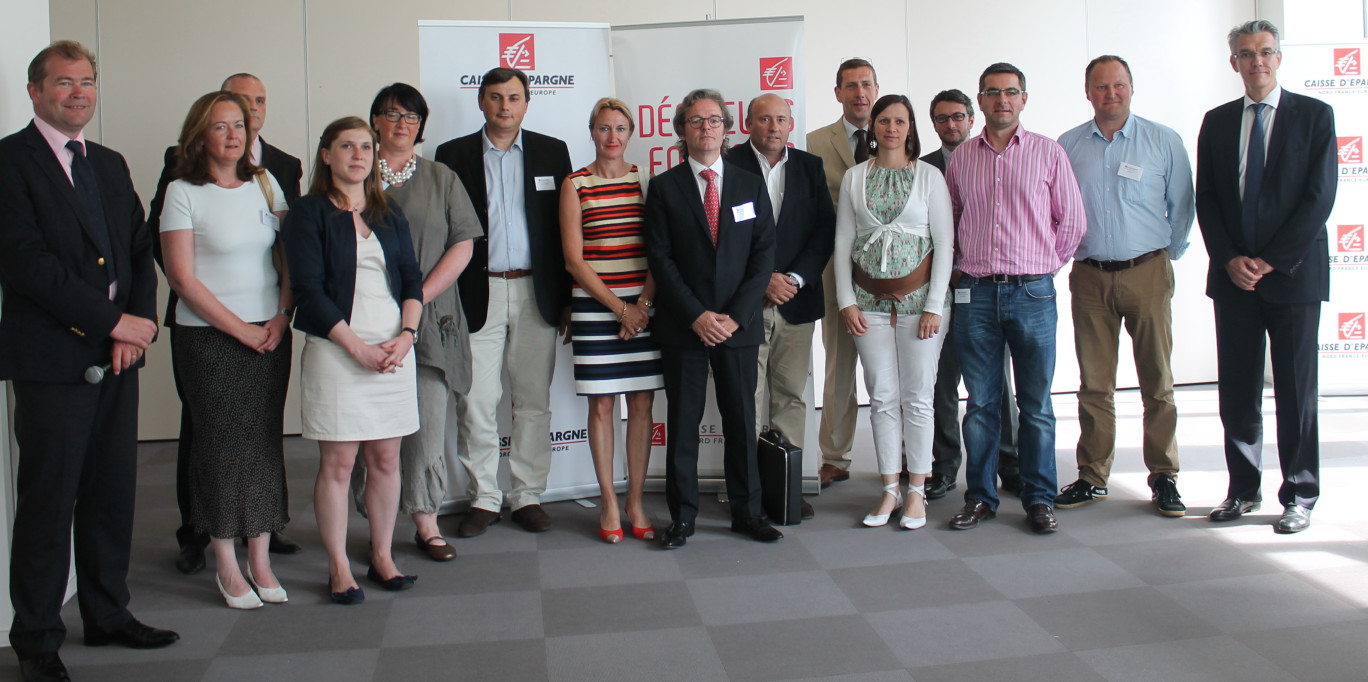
[
  {"x": 836, "y": 431},
  {"x": 513, "y": 337},
  {"x": 785, "y": 362},
  {"x": 1139, "y": 298}
]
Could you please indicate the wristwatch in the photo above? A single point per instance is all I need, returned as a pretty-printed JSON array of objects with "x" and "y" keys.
[
  {"x": 412, "y": 331},
  {"x": 287, "y": 312}
]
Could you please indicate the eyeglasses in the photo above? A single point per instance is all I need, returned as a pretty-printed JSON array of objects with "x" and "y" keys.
[
  {"x": 1249, "y": 55},
  {"x": 992, "y": 93},
  {"x": 410, "y": 118},
  {"x": 698, "y": 121},
  {"x": 946, "y": 118}
]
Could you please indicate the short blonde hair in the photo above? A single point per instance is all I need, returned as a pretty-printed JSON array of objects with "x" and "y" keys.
[{"x": 613, "y": 104}]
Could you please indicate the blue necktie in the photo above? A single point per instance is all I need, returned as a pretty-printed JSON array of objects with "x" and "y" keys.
[
  {"x": 88, "y": 191},
  {"x": 1254, "y": 168}
]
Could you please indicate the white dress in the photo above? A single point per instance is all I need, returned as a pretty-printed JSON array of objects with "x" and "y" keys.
[{"x": 343, "y": 401}]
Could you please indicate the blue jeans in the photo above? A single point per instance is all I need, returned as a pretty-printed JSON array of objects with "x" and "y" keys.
[{"x": 1022, "y": 316}]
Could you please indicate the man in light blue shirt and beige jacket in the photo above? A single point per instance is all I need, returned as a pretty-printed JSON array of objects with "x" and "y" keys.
[{"x": 1137, "y": 189}]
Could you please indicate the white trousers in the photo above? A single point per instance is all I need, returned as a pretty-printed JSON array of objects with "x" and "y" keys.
[
  {"x": 900, "y": 373},
  {"x": 514, "y": 335}
]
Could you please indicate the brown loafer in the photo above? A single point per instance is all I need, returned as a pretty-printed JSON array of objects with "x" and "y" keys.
[
  {"x": 532, "y": 518},
  {"x": 442, "y": 552},
  {"x": 1041, "y": 518},
  {"x": 476, "y": 522},
  {"x": 830, "y": 473},
  {"x": 969, "y": 517}
]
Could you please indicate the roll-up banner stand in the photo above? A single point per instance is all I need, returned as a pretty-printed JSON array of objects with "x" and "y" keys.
[
  {"x": 568, "y": 67},
  {"x": 654, "y": 67},
  {"x": 1336, "y": 74}
]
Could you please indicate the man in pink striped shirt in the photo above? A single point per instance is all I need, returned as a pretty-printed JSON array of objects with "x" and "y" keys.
[{"x": 1018, "y": 219}]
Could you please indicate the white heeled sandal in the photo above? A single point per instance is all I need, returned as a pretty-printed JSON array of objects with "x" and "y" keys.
[
  {"x": 914, "y": 522},
  {"x": 246, "y": 601},
  {"x": 270, "y": 595},
  {"x": 876, "y": 520}
]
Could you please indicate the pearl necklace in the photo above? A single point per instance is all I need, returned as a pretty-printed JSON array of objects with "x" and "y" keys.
[{"x": 402, "y": 176}]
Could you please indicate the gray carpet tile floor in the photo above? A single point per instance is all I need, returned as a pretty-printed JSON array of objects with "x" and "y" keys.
[{"x": 1119, "y": 593}]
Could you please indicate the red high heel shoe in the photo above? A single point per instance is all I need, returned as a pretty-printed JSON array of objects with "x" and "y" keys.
[
  {"x": 611, "y": 537},
  {"x": 647, "y": 533}
]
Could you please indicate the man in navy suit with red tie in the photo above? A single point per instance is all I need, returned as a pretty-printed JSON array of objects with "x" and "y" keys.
[
  {"x": 79, "y": 291},
  {"x": 710, "y": 245},
  {"x": 1265, "y": 185}
]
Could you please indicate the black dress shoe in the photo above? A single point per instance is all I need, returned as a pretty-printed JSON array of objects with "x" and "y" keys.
[
  {"x": 191, "y": 559},
  {"x": 938, "y": 485},
  {"x": 1041, "y": 518},
  {"x": 807, "y": 511},
  {"x": 758, "y": 530},
  {"x": 133, "y": 635},
  {"x": 45, "y": 667},
  {"x": 283, "y": 545},
  {"x": 1233, "y": 508},
  {"x": 1295, "y": 519},
  {"x": 352, "y": 595},
  {"x": 676, "y": 535},
  {"x": 398, "y": 583},
  {"x": 973, "y": 512}
]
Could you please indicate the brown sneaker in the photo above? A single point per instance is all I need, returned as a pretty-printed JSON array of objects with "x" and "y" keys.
[
  {"x": 476, "y": 522},
  {"x": 532, "y": 518},
  {"x": 830, "y": 473}
]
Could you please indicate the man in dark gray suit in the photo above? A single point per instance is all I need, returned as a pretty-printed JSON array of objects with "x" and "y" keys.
[{"x": 1266, "y": 179}]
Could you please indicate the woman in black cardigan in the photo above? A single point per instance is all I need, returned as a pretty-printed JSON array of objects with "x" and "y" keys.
[{"x": 358, "y": 292}]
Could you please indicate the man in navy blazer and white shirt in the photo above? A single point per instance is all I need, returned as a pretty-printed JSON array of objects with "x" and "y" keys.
[
  {"x": 710, "y": 246},
  {"x": 805, "y": 233},
  {"x": 514, "y": 294},
  {"x": 1266, "y": 178},
  {"x": 79, "y": 291}
]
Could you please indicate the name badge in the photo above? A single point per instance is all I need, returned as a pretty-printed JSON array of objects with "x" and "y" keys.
[
  {"x": 270, "y": 220},
  {"x": 545, "y": 183},
  {"x": 961, "y": 295},
  {"x": 745, "y": 211},
  {"x": 1130, "y": 171}
]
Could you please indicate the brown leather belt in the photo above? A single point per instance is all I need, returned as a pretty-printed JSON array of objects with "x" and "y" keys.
[
  {"x": 893, "y": 289},
  {"x": 1119, "y": 265},
  {"x": 510, "y": 274}
]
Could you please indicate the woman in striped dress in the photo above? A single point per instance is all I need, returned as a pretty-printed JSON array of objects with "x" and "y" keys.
[{"x": 602, "y": 209}]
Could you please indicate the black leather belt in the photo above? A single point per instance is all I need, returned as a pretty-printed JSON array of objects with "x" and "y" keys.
[
  {"x": 1000, "y": 279},
  {"x": 1119, "y": 265}
]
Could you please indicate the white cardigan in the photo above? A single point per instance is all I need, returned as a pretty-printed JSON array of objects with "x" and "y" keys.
[{"x": 927, "y": 213}]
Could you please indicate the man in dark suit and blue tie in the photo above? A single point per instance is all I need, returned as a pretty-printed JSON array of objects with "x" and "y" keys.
[
  {"x": 1266, "y": 182},
  {"x": 710, "y": 245},
  {"x": 79, "y": 291}
]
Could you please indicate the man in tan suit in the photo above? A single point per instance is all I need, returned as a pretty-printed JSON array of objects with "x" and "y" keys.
[{"x": 841, "y": 145}]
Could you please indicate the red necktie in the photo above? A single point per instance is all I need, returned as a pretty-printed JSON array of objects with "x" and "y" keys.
[{"x": 711, "y": 202}]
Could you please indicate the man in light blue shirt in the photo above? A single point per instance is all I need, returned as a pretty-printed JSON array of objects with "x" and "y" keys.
[{"x": 1137, "y": 189}]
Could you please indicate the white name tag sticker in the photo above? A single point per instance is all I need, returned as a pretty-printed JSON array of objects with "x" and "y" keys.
[
  {"x": 544, "y": 182},
  {"x": 745, "y": 211},
  {"x": 961, "y": 295},
  {"x": 1131, "y": 171},
  {"x": 270, "y": 220}
]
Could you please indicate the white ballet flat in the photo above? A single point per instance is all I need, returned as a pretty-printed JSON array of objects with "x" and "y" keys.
[
  {"x": 876, "y": 520},
  {"x": 245, "y": 602},
  {"x": 914, "y": 522},
  {"x": 271, "y": 595}
]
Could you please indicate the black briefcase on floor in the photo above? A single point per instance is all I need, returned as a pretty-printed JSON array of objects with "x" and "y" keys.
[{"x": 781, "y": 478}]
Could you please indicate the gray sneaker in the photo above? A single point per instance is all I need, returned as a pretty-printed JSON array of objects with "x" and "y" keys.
[
  {"x": 1166, "y": 498},
  {"x": 1079, "y": 493}
]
